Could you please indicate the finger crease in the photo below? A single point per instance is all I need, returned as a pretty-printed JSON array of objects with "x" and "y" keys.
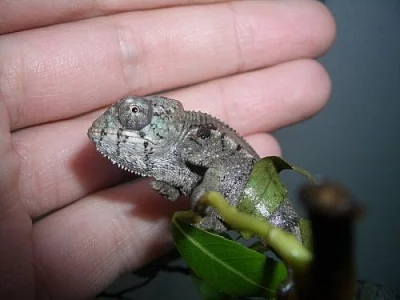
[
  {"x": 12, "y": 90},
  {"x": 130, "y": 53},
  {"x": 240, "y": 65}
]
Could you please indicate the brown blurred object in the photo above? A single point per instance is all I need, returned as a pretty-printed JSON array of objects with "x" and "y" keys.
[{"x": 332, "y": 274}]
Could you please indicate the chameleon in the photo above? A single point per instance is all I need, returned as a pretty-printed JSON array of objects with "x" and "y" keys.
[{"x": 187, "y": 153}]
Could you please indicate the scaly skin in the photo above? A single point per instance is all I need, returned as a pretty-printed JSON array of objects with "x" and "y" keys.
[{"x": 187, "y": 153}]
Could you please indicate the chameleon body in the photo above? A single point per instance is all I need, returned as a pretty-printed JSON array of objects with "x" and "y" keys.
[{"x": 185, "y": 152}]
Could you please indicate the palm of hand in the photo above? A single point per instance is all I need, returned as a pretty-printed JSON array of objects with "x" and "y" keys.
[{"x": 69, "y": 224}]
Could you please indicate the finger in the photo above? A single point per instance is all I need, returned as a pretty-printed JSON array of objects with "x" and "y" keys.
[
  {"x": 263, "y": 100},
  {"x": 17, "y": 15},
  {"x": 265, "y": 144},
  {"x": 54, "y": 176},
  {"x": 90, "y": 64},
  {"x": 99, "y": 238},
  {"x": 58, "y": 165}
]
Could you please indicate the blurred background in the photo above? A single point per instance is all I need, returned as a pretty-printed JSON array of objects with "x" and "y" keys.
[{"x": 355, "y": 141}]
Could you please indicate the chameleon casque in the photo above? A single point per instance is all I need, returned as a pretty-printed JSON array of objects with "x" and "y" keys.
[{"x": 185, "y": 152}]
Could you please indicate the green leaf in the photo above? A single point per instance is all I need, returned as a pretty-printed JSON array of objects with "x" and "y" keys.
[
  {"x": 265, "y": 192},
  {"x": 226, "y": 265}
]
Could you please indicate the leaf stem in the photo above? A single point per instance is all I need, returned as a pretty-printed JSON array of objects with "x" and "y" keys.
[
  {"x": 305, "y": 173},
  {"x": 286, "y": 245}
]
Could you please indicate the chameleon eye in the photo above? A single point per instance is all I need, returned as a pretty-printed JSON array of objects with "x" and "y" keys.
[
  {"x": 134, "y": 109},
  {"x": 135, "y": 113}
]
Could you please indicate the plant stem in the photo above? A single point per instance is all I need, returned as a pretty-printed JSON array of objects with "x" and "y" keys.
[{"x": 295, "y": 254}]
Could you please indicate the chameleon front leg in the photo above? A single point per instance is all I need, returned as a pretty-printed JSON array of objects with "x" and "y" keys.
[
  {"x": 175, "y": 180},
  {"x": 166, "y": 190},
  {"x": 211, "y": 182},
  {"x": 228, "y": 177}
]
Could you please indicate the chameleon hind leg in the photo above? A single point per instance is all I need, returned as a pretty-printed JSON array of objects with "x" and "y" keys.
[{"x": 228, "y": 177}]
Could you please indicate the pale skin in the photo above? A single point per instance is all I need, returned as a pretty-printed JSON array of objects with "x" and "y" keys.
[{"x": 70, "y": 223}]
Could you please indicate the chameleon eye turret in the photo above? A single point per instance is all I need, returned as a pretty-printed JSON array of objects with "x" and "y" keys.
[{"x": 135, "y": 113}]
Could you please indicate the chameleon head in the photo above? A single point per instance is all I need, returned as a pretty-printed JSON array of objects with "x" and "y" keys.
[{"x": 134, "y": 131}]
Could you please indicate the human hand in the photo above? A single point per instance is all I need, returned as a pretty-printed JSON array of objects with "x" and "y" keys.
[{"x": 69, "y": 222}]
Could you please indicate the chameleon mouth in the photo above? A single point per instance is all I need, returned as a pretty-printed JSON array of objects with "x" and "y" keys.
[
  {"x": 119, "y": 165},
  {"x": 97, "y": 135},
  {"x": 93, "y": 134}
]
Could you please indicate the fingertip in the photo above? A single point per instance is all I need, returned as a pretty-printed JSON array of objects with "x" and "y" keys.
[
  {"x": 317, "y": 25},
  {"x": 264, "y": 144},
  {"x": 328, "y": 24},
  {"x": 317, "y": 76}
]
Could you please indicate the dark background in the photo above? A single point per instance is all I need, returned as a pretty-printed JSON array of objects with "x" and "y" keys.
[{"x": 354, "y": 140}]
